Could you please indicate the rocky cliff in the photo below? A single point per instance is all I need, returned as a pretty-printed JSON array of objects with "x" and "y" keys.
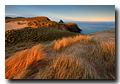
[{"x": 72, "y": 27}]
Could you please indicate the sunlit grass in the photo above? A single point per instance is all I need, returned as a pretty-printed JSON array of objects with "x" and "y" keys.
[
  {"x": 64, "y": 67},
  {"x": 80, "y": 57},
  {"x": 108, "y": 47},
  {"x": 64, "y": 42},
  {"x": 19, "y": 61}
]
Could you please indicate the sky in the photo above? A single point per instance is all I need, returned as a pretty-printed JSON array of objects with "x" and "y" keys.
[{"x": 64, "y": 12}]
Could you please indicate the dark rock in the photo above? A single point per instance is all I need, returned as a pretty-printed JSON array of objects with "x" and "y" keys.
[
  {"x": 72, "y": 27},
  {"x": 61, "y": 21}
]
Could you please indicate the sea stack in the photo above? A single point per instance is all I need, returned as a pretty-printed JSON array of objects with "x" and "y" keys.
[
  {"x": 61, "y": 21},
  {"x": 72, "y": 27}
]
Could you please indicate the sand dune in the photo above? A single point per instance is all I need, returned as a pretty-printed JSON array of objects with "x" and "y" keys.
[{"x": 14, "y": 25}]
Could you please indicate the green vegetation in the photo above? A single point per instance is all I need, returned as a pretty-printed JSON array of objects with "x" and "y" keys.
[
  {"x": 9, "y": 19},
  {"x": 40, "y": 34}
]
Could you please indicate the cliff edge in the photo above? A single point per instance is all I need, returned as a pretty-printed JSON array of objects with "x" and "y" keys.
[{"x": 72, "y": 27}]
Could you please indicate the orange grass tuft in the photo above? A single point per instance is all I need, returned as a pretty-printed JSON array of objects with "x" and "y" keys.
[
  {"x": 67, "y": 68},
  {"x": 19, "y": 61},
  {"x": 108, "y": 47},
  {"x": 36, "y": 21},
  {"x": 29, "y": 23},
  {"x": 67, "y": 41},
  {"x": 64, "y": 67}
]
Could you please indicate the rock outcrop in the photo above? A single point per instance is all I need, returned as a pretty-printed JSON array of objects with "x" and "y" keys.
[
  {"x": 72, "y": 27},
  {"x": 61, "y": 21}
]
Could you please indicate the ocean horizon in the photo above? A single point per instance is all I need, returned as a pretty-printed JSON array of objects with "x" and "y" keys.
[{"x": 93, "y": 27}]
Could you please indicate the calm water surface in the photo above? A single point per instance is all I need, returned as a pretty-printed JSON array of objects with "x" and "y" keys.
[{"x": 93, "y": 27}]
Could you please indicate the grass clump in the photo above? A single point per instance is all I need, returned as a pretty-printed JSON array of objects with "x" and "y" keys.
[
  {"x": 64, "y": 42},
  {"x": 62, "y": 68},
  {"x": 108, "y": 47},
  {"x": 20, "y": 61}
]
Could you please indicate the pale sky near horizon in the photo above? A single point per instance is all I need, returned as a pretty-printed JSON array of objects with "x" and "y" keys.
[{"x": 64, "y": 12}]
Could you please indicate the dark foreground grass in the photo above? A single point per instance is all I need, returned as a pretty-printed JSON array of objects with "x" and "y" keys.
[{"x": 40, "y": 34}]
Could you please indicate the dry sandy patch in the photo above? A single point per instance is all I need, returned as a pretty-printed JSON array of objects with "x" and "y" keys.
[{"x": 14, "y": 25}]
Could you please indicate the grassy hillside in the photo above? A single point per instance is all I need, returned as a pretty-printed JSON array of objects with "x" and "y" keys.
[
  {"x": 9, "y": 19},
  {"x": 81, "y": 57},
  {"x": 40, "y": 34},
  {"x": 17, "y": 40}
]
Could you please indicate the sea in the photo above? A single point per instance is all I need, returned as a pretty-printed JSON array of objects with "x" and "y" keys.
[{"x": 93, "y": 27}]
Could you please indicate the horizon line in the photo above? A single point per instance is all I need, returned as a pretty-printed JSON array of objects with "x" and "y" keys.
[{"x": 55, "y": 20}]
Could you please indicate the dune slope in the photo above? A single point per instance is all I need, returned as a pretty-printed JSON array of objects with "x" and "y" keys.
[{"x": 81, "y": 57}]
